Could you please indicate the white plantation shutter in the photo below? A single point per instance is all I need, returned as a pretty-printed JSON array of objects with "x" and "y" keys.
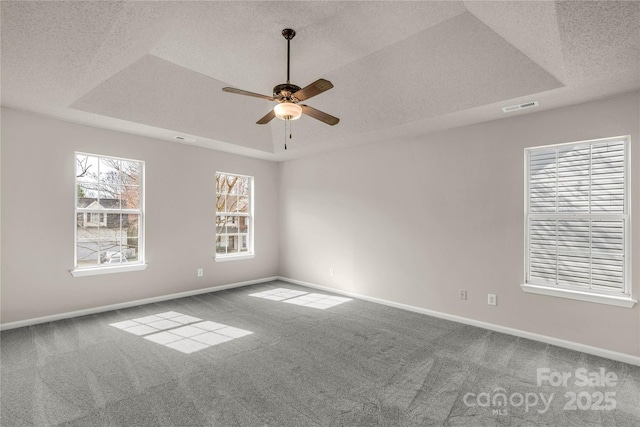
[{"x": 577, "y": 215}]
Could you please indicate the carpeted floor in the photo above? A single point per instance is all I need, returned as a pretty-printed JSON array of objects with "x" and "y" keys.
[{"x": 296, "y": 359}]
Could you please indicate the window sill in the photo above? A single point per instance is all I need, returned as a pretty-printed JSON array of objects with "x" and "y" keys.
[
  {"x": 224, "y": 258},
  {"x": 81, "y": 272},
  {"x": 620, "y": 301}
]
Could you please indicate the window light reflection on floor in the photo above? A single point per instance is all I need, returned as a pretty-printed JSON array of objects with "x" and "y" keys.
[
  {"x": 278, "y": 294},
  {"x": 180, "y": 332},
  {"x": 317, "y": 301},
  {"x": 306, "y": 299}
]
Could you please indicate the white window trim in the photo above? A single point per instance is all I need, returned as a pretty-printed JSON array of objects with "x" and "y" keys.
[
  {"x": 94, "y": 271},
  {"x": 109, "y": 268},
  {"x": 617, "y": 300},
  {"x": 624, "y": 299},
  {"x": 232, "y": 257},
  {"x": 249, "y": 254}
]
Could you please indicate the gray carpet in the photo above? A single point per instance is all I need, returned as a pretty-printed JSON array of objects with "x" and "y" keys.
[{"x": 353, "y": 364}]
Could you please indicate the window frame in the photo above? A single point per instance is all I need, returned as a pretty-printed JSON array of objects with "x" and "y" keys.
[
  {"x": 107, "y": 268},
  {"x": 610, "y": 297},
  {"x": 250, "y": 253}
]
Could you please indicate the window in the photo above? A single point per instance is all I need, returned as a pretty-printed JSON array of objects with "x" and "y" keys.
[
  {"x": 234, "y": 217},
  {"x": 109, "y": 214},
  {"x": 577, "y": 221}
]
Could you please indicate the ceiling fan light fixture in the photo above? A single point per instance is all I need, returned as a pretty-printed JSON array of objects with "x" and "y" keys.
[{"x": 287, "y": 111}]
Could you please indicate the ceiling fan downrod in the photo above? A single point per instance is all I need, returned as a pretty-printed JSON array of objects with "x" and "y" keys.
[{"x": 288, "y": 34}]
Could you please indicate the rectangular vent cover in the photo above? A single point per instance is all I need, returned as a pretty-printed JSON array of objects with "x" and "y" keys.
[
  {"x": 520, "y": 106},
  {"x": 185, "y": 139}
]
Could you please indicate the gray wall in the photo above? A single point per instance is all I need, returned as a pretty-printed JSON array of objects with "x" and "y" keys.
[
  {"x": 415, "y": 221},
  {"x": 38, "y": 166}
]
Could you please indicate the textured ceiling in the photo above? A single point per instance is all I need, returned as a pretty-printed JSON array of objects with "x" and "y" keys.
[{"x": 400, "y": 69}]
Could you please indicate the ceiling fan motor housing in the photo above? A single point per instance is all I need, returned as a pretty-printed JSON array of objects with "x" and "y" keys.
[{"x": 284, "y": 91}]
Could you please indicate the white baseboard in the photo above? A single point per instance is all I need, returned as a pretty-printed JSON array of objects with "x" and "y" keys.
[
  {"x": 95, "y": 310},
  {"x": 620, "y": 357}
]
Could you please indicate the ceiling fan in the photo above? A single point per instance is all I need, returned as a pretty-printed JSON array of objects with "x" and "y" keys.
[{"x": 289, "y": 95}]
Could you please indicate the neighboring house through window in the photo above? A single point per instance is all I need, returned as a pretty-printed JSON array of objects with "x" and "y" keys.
[
  {"x": 234, "y": 216},
  {"x": 94, "y": 219},
  {"x": 108, "y": 212},
  {"x": 577, "y": 221}
]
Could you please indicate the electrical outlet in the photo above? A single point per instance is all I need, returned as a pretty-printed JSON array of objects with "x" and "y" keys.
[
  {"x": 331, "y": 271},
  {"x": 200, "y": 272},
  {"x": 492, "y": 299},
  {"x": 463, "y": 294}
]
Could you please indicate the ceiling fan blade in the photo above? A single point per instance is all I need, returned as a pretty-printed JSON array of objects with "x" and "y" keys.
[
  {"x": 315, "y": 88},
  {"x": 244, "y": 92},
  {"x": 266, "y": 119},
  {"x": 319, "y": 115}
]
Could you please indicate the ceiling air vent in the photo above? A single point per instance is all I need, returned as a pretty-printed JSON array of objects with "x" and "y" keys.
[
  {"x": 182, "y": 138},
  {"x": 520, "y": 106}
]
